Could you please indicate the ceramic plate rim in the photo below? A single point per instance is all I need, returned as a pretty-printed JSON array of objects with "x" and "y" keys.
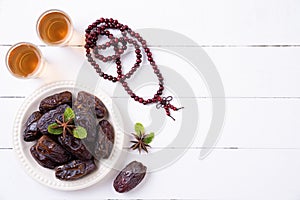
[{"x": 30, "y": 167}]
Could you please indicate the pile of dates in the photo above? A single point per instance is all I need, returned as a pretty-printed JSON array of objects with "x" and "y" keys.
[{"x": 70, "y": 157}]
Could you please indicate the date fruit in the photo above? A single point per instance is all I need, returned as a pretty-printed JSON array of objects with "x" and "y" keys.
[
  {"x": 48, "y": 153},
  {"x": 71, "y": 157},
  {"x": 130, "y": 177},
  {"x": 89, "y": 122},
  {"x": 31, "y": 131},
  {"x": 53, "y": 101},
  {"x": 75, "y": 146},
  {"x": 50, "y": 117},
  {"x": 75, "y": 169},
  {"x": 106, "y": 139},
  {"x": 33, "y": 118},
  {"x": 87, "y": 102}
]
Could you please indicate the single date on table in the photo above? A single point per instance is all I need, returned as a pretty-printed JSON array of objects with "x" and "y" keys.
[{"x": 130, "y": 177}]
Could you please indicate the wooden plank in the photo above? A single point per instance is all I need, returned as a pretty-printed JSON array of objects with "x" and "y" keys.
[
  {"x": 226, "y": 174},
  {"x": 9, "y": 106},
  {"x": 142, "y": 114},
  {"x": 243, "y": 71},
  {"x": 257, "y": 72},
  {"x": 249, "y": 123},
  {"x": 207, "y": 22}
]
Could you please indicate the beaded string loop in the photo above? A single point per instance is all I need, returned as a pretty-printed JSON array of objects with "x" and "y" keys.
[
  {"x": 99, "y": 29},
  {"x": 164, "y": 101}
]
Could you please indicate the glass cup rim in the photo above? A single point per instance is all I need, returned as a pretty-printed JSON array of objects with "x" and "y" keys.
[
  {"x": 38, "y": 68},
  {"x": 67, "y": 39}
]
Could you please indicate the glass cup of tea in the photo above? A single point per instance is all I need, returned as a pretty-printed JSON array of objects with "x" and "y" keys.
[
  {"x": 54, "y": 27},
  {"x": 24, "y": 60}
]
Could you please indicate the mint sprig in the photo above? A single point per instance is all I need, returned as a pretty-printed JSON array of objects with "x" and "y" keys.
[
  {"x": 148, "y": 138},
  {"x": 142, "y": 140},
  {"x": 69, "y": 114},
  {"x": 139, "y": 129},
  {"x": 55, "y": 129},
  {"x": 80, "y": 132},
  {"x": 67, "y": 125}
]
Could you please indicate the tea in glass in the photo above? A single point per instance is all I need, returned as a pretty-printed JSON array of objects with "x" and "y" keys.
[
  {"x": 24, "y": 60},
  {"x": 54, "y": 27}
]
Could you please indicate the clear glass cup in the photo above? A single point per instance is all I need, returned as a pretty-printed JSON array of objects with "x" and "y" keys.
[
  {"x": 54, "y": 27},
  {"x": 24, "y": 60}
]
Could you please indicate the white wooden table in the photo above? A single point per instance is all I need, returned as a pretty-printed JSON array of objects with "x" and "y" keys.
[{"x": 255, "y": 47}]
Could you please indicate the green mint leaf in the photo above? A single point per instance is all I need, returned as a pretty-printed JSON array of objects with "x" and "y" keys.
[
  {"x": 80, "y": 132},
  {"x": 139, "y": 129},
  {"x": 148, "y": 138},
  {"x": 54, "y": 129},
  {"x": 69, "y": 114}
]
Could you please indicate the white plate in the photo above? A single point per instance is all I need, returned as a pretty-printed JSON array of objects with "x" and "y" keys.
[{"x": 47, "y": 176}]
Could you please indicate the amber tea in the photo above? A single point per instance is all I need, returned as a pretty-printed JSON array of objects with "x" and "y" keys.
[
  {"x": 54, "y": 27},
  {"x": 24, "y": 60}
]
